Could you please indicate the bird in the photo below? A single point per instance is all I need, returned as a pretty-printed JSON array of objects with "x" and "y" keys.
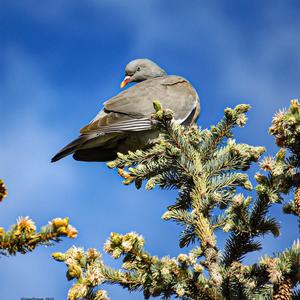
[{"x": 125, "y": 124}]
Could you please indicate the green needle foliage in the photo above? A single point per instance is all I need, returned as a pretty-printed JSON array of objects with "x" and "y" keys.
[
  {"x": 23, "y": 237},
  {"x": 207, "y": 167}
]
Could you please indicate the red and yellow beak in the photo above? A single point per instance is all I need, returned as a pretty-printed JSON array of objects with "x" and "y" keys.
[{"x": 125, "y": 81}]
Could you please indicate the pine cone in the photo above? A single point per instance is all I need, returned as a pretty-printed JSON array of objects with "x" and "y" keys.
[
  {"x": 283, "y": 290},
  {"x": 297, "y": 201}
]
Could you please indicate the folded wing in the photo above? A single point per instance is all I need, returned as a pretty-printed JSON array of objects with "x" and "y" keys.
[{"x": 130, "y": 111}]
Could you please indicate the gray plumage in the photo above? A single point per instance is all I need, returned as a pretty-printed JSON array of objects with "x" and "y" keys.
[{"x": 125, "y": 122}]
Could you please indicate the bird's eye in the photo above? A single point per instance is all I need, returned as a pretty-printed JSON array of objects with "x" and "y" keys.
[{"x": 138, "y": 68}]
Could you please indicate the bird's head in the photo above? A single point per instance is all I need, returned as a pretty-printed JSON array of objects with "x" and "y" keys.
[{"x": 141, "y": 69}]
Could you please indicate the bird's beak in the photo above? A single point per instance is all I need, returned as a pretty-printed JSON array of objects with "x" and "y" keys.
[{"x": 125, "y": 81}]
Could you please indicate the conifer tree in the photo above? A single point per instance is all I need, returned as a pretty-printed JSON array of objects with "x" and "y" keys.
[
  {"x": 22, "y": 237},
  {"x": 207, "y": 168}
]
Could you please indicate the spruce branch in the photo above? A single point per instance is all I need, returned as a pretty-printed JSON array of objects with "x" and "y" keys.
[
  {"x": 3, "y": 190},
  {"x": 283, "y": 174},
  {"x": 23, "y": 237},
  {"x": 285, "y": 168},
  {"x": 233, "y": 117},
  {"x": 206, "y": 177},
  {"x": 158, "y": 277},
  {"x": 297, "y": 201},
  {"x": 284, "y": 266},
  {"x": 285, "y": 127},
  {"x": 207, "y": 168}
]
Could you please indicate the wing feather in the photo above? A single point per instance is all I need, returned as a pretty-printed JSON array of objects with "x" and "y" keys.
[
  {"x": 129, "y": 125},
  {"x": 131, "y": 109}
]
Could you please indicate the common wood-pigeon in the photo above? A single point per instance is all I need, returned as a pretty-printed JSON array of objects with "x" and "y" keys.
[{"x": 125, "y": 121}]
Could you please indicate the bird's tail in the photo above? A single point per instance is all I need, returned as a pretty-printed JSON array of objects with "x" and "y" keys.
[
  {"x": 95, "y": 154},
  {"x": 70, "y": 148}
]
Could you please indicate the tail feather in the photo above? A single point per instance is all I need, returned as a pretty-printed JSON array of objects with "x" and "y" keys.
[
  {"x": 95, "y": 154},
  {"x": 70, "y": 148}
]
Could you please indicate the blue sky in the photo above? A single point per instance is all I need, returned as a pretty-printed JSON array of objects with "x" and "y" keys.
[{"x": 60, "y": 60}]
